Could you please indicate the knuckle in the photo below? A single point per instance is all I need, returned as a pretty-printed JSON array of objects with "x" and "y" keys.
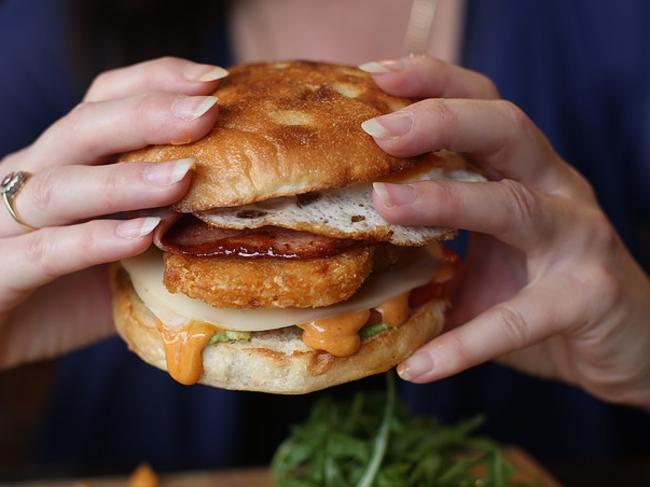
[
  {"x": 434, "y": 63},
  {"x": 520, "y": 121},
  {"x": 601, "y": 233},
  {"x": 167, "y": 61},
  {"x": 513, "y": 326},
  {"x": 70, "y": 129},
  {"x": 524, "y": 203},
  {"x": 99, "y": 83},
  {"x": 433, "y": 66},
  {"x": 461, "y": 354},
  {"x": 44, "y": 190},
  {"x": 487, "y": 86},
  {"x": 435, "y": 74},
  {"x": 443, "y": 119},
  {"x": 441, "y": 111},
  {"x": 145, "y": 105},
  {"x": 38, "y": 252},
  {"x": 443, "y": 202},
  {"x": 115, "y": 180},
  {"x": 606, "y": 289},
  {"x": 74, "y": 120},
  {"x": 86, "y": 242},
  {"x": 581, "y": 183}
]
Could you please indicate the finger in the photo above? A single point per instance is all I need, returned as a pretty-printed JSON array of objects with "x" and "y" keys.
[
  {"x": 427, "y": 77},
  {"x": 505, "y": 209},
  {"x": 522, "y": 321},
  {"x": 66, "y": 194},
  {"x": 495, "y": 133},
  {"x": 42, "y": 256},
  {"x": 95, "y": 130},
  {"x": 168, "y": 74}
]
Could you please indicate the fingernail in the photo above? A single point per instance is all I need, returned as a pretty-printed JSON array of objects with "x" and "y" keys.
[
  {"x": 381, "y": 67},
  {"x": 388, "y": 126},
  {"x": 138, "y": 227},
  {"x": 395, "y": 194},
  {"x": 190, "y": 108},
  {"x": 418, "y": 364},
  {"x": 205, "y": 72},
  {"x": 168, "y": 173}
]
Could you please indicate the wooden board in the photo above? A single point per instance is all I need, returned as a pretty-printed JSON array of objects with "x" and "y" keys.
[
  {"x": 527, "y": 469},
  {"x": 230, "y": 478}
]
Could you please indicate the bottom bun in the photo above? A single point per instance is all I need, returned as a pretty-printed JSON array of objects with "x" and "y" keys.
[{"x": 274, "y": 361}]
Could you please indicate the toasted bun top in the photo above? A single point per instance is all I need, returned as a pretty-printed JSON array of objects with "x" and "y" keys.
[{"x": 285, "y": 128}]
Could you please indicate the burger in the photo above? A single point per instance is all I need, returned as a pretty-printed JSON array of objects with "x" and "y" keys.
[{"x": 276, "y": 273}]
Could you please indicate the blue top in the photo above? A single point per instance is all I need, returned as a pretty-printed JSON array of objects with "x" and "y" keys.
[{"x": 579, "y": 69}]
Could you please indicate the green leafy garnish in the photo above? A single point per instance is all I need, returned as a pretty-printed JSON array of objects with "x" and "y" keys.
[
  {"x": 373, "y": 441},
  {"x": 381, "y": 440},
  {"x": 229, "y": 336},
  {"x": 373, "y": 330}
]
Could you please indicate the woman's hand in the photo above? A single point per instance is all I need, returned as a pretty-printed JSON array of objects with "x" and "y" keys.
[
  {"x": 54, "y": 293},
  {"x": 548, "y": 286}
]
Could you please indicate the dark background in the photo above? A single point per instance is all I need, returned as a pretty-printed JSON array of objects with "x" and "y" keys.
[{"x": 583, "y": 441}]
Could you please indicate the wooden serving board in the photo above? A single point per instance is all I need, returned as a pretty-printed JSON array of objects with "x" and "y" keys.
[{"x": 527, "y": 469}]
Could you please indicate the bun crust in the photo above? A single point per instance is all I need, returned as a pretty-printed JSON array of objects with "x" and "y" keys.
[
  {"x": 276, "y": 361},
  {"x": 284, "y": 128}
]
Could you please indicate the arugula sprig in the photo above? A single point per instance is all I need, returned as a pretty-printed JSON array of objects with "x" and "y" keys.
[{"x": 373, "y": 441}]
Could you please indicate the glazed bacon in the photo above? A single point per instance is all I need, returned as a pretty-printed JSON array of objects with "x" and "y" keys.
[{"x": 192, "y": 237}]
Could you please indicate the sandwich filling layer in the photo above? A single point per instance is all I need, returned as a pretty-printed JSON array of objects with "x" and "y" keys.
[
  {"x": 175, "y": 310},
  {"x": 187, "y": 326}
]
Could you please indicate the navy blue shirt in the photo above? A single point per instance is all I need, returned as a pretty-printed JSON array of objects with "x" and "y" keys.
[{"x": 579, "y": 69}]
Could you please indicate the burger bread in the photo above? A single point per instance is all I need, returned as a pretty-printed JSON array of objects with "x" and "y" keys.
[
  {"x": 278, "y": 275},
  {"x": 275, "y": 361},
  {"x": 284, "y": 129}
]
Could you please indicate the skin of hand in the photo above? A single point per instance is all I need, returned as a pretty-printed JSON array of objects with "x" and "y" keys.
[
  {"x": 54, "y": 294},
  {"x": 548, "y": 286}
]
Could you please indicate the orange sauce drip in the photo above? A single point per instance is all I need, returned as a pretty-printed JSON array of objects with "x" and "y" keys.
[
  {"x": 184, "y": 350},
  {"x": 338, "y": 335},
  {"x": 395, "y": 311}
]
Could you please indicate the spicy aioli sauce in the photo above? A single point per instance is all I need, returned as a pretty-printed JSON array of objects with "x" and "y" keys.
[
  {"x": 184, "y": 350},
  {"x": 338, "y": 335},
  {"x": 395, "y": 311}
]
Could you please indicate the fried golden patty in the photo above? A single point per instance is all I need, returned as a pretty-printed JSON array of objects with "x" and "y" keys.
[{"x": 236, "y": 282}]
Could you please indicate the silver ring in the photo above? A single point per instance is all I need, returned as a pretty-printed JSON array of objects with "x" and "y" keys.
[{"x": 10, "y": 187}]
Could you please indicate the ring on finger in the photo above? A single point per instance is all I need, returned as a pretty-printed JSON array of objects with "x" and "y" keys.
[{"x": 10, "y": 187}]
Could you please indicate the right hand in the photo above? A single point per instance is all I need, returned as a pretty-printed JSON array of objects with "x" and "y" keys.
[{"x": 54, "y": 294}]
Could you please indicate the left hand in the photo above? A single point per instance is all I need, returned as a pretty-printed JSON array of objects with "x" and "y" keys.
[{"x": 548, "y": 286}]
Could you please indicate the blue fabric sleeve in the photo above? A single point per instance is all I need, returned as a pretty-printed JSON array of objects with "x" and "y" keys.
[{"x": 34, "y": 80}]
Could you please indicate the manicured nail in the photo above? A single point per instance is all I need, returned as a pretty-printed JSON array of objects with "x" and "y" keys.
[
  {"x": 395, "y": 194},
  {"x": 381, "y": 67},
  {"x": 168, "y": 173},
  {"x": 418, "y": 364},
  {"x": 138, "y": 227},
  {"x": 388, "y": 126},
  {"x": 190, "y": 108},
  {"x": 205, "y": 72}
]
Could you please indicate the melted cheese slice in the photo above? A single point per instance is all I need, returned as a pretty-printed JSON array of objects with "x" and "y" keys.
[{"x": 176, "y": 310}]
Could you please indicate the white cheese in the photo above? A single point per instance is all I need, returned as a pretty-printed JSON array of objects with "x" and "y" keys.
[{"x": 146, "y": 272}]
